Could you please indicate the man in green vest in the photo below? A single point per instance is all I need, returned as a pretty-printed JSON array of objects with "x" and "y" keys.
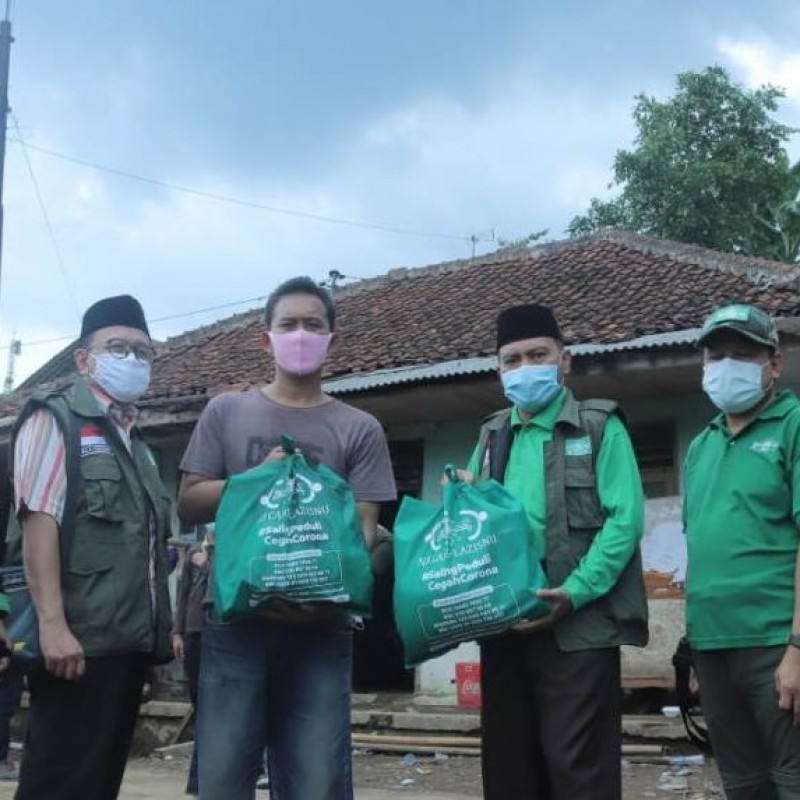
[
  {"x": 741, "y": 515},
  {"x": 95, "y": 518},
  {"x": 551, "y": 718}
]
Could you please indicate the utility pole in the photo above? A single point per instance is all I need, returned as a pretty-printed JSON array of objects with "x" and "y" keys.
[
  {"x": 482, "y": 236},
  {"x": 13, "y": 351},
  {"x": 5, "y": 57}
]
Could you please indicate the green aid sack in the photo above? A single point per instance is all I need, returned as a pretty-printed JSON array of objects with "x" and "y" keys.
[
  {"x": 463, "y": 570},
  {"x": 289, "y": 530}
]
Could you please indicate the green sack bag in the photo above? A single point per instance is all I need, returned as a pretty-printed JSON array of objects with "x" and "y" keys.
[
  {"x": 464, "y": 570},
  {"x": 289, "y": 530}
]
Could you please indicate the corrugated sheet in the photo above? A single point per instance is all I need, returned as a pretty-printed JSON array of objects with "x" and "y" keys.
[
  {"x": 391, "y": 377},
  {"x": 488, "y": 364},
  {"x": 650, "y": 342}
]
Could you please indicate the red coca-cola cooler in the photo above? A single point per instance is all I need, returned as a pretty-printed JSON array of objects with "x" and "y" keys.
[{"x": 468, "y": 684}]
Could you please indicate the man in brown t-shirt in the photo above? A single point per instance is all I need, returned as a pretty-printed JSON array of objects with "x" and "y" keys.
[{"x": 282, "y": 680}]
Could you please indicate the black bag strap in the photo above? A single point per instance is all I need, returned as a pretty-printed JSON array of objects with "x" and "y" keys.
[{"x": 682, "y": 662}]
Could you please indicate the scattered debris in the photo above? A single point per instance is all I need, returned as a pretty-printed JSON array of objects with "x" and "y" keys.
[{"x": 673, "y": 781}]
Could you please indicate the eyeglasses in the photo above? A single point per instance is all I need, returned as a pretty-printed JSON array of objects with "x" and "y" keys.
[{"x": 118, "y": 348}]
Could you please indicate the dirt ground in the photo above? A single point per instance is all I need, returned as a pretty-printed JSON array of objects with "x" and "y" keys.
[
  {"x": 460, "y": 776},
  {"x": 381, "y": 777}
]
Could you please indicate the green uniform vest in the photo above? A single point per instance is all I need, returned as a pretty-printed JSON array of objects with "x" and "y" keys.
[
  {"x": 120, "y": 505},
  {"x": 574, "y": 517}
]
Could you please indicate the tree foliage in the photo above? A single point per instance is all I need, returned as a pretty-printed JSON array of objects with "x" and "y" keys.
[
  {"x": 523, "y": 241},
  {"x": 709, "y": 167}
]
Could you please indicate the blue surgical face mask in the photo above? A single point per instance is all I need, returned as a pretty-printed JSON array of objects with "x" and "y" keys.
[
  {"x": 125, "y": 379},
  {"x": 531, "y": 387},
  {"x": 733, "y": 386}
]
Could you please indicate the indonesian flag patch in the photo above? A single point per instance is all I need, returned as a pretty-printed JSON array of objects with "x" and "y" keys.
[{"x": 93, "y": 441}]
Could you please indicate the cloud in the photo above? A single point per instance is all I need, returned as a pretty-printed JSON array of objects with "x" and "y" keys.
[
  {"x": 525, "y": 159},
  {"x": 528, "y": 156},
  {"x": 764, "y": 62}
]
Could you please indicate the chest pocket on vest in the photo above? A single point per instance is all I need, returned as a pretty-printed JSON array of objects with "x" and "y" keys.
[
  {"x": 580, "y": 485},
  {"x": 102, "y": 487}
]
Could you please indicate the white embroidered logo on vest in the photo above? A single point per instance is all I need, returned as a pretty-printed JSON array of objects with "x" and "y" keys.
[{"x": 581, "y": 446}]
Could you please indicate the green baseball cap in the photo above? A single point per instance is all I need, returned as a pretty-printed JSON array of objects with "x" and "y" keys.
[{"x": 747, "y": 320}]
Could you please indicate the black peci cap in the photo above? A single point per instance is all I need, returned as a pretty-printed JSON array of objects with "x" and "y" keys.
[
  {"x": 526, "y": 322},
  {"x": 120, "y": 310}
]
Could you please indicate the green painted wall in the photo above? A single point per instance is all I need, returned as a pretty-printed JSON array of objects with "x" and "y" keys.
[
  {"x": 445, "y": 443},
  {"x": 453, "y": 442}
]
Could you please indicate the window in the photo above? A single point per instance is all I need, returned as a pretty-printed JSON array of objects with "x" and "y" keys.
[{"x": 654, "y": 445}]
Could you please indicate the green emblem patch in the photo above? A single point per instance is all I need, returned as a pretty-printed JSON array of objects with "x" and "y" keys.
[{"x": 735, "y": 313}]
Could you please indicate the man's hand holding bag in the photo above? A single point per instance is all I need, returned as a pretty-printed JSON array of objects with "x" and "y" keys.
[{"x": 288, "y": 536}]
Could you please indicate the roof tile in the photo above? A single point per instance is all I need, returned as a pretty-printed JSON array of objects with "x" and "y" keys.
[
  {"x": 605, "y": 288},
  {"x": 609, "y": 287}
]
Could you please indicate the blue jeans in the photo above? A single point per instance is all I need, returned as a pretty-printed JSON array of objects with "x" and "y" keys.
[
  {"x": 191, "y": 665},
  {"x": 284, "y": 686}
]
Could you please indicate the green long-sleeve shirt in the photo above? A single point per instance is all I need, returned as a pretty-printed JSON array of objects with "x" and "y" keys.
[{"x": 619, "y": 489}]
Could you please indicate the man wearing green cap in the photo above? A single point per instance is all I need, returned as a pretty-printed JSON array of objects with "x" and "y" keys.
[
  {"x": 741, "y": 516},
  {"x": 552, "y": 703},
  {"x": 94, "y": 518}
]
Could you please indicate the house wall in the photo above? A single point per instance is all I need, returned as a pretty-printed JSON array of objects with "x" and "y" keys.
[
  {"x": 453, "y": 442},
  {"x": 445, "y": 443},
  {"x": 689, "y": 413},
  {"x": 170, "y": 457},
  {"x": 169, "y": 454}
]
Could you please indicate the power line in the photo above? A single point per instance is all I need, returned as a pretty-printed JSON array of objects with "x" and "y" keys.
[
  {"x": 182, "y": 315},
  {"x": 221, "y": 198},
  {"x": 45, "y": 215},
  {"x": 259, "y": 299}
]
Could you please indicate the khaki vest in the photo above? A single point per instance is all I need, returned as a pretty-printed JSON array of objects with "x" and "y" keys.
[
  {"x": 574, "y": 517},
  {"x": 107, "y": 594}
]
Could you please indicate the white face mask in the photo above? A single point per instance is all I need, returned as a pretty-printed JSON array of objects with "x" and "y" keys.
[
  {"x": 125, "y": 379},
  {"x": 733, "y": 386}
]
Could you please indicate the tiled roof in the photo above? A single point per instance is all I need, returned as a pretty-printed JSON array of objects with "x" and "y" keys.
[{"x": 609, "y": 287}]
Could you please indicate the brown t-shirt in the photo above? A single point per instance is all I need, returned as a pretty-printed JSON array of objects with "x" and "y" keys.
[{"x": 237, "y": 430}]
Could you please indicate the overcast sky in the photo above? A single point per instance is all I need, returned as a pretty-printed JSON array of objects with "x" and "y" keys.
[{"x": 448, "y": 118}]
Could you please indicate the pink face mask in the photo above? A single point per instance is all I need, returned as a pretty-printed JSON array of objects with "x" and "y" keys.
[{"x": 300, "y": 352}]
